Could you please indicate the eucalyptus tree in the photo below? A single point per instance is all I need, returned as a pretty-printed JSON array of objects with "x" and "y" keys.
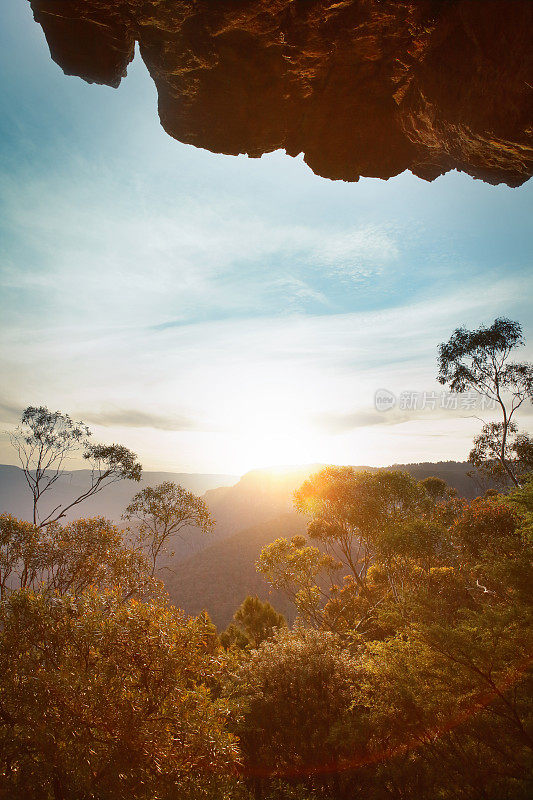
[
  {"x": 163, "y": 513},
  {"x": 46, "y": 440},
  {"x": 478, "y": 361}
]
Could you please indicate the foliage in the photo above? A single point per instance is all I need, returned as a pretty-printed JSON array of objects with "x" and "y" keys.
[
  {"x": 297, "y": 569},
  {"x": 292, "y": 700},
  {"x": 259, "y": 619},
  {"x": 472, "y": 359},
  {"x": 444, "y": 709},
  {"x": 108, "y": 700},
  {"x": 439, "y": 630},
  {"x": 478, "y": 360},
  {"x": 162, "y": 513},
  {"x": 254, "y": 622},
  {"x": 437, "y": 488},
  {"x": 407, "y": 677},
  {"x": 45, "y": 440},
  {"x": 234, "y": 637},
  {"x": 354, "y": 518},
  {"x": 69, "y": 559},
  {"x": 493, "y": 441},
  {"x": 523, "y": 452}
]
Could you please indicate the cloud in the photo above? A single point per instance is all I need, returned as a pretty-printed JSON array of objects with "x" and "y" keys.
[
  {"x": 358, "y": 254},
  {"x": 209, "y": 394},
  {"x": 91, "y": 253},
  {"x": 10, "y": 412},
  {"x": 341, "y": 423},
  {"x": 132, "y": 418},
  {"x": 119, "y": 417}
]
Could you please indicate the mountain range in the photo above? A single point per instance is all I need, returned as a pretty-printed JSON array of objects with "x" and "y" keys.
[{"x": 15, "y": 497}]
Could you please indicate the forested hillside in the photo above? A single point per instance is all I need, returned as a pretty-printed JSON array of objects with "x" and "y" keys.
[{"x": 219, "y": 577}]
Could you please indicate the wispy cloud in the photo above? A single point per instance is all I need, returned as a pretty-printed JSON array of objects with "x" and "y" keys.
[
  {"x": 359, "y": 254},
  {"x": 133, "y": 418},
  {"x": 114, "y": 260},
  {"x": 10, "y": 412},
  {"x": 341, "y": 423}
]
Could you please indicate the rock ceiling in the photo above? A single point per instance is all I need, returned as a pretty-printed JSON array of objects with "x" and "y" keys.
[{"x": 361, "y": 87}]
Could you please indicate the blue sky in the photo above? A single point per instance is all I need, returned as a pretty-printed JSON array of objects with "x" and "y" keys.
[{"x": 218, "y": 313}]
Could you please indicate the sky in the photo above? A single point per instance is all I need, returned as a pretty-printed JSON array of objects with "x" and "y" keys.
[{"x": 217, "y": 313}]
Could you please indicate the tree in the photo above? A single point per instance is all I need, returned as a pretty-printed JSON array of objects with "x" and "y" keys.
[
  {"x": 234, "y": 637},
  {"x": 485, "y": 455},
  {"x": 45, "y": 440},
  {"x": 22, "y": 554},
  {"x": 478, "y": 360},
  {"x": 441, "y": 682},
  {"x": 69, "y": 559},
  {"x": 437, "y": 488},
  {"x": 292, "y": 700},
  {"x": 523, "y": 452},
  {"x": 353, "y": 516},
  {"x": 302, "y": 572},
  {"x": 350, "y": 511},
  {"x": 445, "y": 709},
  {"x": 448, "y": 693},
  {"x": 256, "y": 621},
  {"x": 162, "y": 513},
  {"x": 107, "y": 700}
]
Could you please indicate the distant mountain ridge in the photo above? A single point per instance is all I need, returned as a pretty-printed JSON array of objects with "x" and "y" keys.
[
  {"x": 15, "y": 497},
  {"x": 264, "y": 493},
  {"x": 234, "y": 502}
]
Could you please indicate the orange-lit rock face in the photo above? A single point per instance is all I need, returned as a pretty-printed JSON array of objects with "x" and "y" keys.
[{"x": 361, "y": 87}]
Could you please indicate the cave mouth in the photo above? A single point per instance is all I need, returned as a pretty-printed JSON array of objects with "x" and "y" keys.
[{"x": 361, "y": 87}]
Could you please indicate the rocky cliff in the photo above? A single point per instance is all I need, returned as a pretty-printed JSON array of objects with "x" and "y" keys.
[{"x": 361, "y": 87}]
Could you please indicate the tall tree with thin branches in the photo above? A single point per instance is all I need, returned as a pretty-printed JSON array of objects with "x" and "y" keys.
[
  {"x": 163, "y": 513},
  {"x": 478, "y": 360},
  {"x": 46, "y": 440}
]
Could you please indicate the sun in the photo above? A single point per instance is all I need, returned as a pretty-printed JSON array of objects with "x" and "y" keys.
[{"x": 268, "y": 435}]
